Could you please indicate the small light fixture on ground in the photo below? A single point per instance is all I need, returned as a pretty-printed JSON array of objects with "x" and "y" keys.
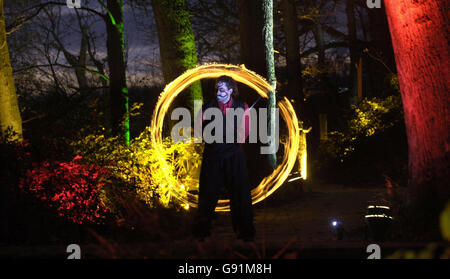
[
  {"x": 378, "y": 220},
  {"x": 338, "y": 229},
  {"x": 294, "y": 176}
]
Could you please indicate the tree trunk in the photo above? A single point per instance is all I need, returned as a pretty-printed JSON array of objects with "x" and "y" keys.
[
  {"x": 256, "y": 28},
  {"x": 77, "y": 62},
  {"x": 320, "y": 46},
  {"x": 293, "y": 62},
  {"x": 177, "y": 45},
  {"x": 120, "y": 119},
  {"x": 380, "y": 36},
  {"x": 354, "y": 51},
  {"x": 270, "y": 73},
  {"x": 9, "y": 107},
  {"x": 251, "y": 36},
  {"x": 82, "y": 60},
  {"x": 420, "y": 36},
  {"x": 380, "y": 62}
]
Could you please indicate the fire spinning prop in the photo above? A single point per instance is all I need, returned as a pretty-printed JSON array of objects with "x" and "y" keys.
[{"x": 239, "y": 73}]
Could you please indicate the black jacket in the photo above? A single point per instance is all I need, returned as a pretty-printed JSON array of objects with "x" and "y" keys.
[{"x": 222, "y": 150}]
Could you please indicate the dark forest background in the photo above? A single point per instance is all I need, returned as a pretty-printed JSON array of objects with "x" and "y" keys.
[
  {"x": 87, "y": 81},
  {"x": 61, "y": 68}
]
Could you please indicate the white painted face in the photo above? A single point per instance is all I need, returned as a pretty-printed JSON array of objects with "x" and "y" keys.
[{"x": 223, "y": 92}]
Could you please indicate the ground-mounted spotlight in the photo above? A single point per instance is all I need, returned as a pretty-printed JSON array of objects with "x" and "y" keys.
[
  {"x": 338, "y": 229},
  {"x": 294, "y": 176},
  {"x": 378, "y": 220}
]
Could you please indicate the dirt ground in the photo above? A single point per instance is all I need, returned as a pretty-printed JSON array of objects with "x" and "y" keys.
[
  {"x": 294, "y": 222},
  {"x": 299, "y": 218}
]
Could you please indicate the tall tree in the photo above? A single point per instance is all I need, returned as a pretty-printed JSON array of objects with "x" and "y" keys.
[
  {"x": 354, "y": 50},
  {"x": 9, "y": 107},
  {"x": 420, "y": 32},
  {"x": 251, "y": 33},
  {"x": 256, "y": 30},
  {"x": 293, "y": 62},
  {"x": 381, "y": 41},
  {"x": 380, "y": 59},
  {"x": 76, "y": 61},
  {"x": 120, "y": 115},
  {"x": 216, "y": 28},
  {"x": 176, "y": 44},
  {"x": 116, "y": 57},
  {"x": 270, "y": 73}
]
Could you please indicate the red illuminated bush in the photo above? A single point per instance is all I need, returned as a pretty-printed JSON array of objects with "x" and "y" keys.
[{"x": 72, "y": 188}]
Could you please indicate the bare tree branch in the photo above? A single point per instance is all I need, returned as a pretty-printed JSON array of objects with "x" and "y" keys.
[
  {"x": 37, "y": 9},
  {"x": 52, "y": 64}
]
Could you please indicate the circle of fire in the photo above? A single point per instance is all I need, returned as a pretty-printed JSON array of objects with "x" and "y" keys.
[{"x": 239, "y": 73}]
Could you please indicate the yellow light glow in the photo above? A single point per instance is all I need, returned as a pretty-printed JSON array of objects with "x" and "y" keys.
[
  {"x": 378, "y": 216},
  {"x": 294, "y": 179},
  {"x": 378, "y": 206},
  {"x": 239, "y": 73},
  {"x": 304, "y": 159},
  {"x": 302, "y": 154}
]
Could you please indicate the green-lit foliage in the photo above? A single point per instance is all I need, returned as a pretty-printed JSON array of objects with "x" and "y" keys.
[
  {"x": 445, "y": 222},
  {"x": 372, "y": 116},
  {"x": 148, "y": 170},
  {"x": 427, "y": 253},
  {"x": 177, "y": 43},
  {"x": 431, "y": 251},
  {"x": 393, "y": 81},
  {"x": 368, "y": 119}
]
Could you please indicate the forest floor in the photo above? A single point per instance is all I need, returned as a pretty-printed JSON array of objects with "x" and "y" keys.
[{"x": 294, "y": 222}]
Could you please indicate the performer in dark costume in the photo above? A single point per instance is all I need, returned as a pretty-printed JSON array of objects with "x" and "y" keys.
[{"x": 224, "y": 165}]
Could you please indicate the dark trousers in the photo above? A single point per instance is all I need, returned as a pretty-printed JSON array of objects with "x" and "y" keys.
[{"x": 231, "y": 172}]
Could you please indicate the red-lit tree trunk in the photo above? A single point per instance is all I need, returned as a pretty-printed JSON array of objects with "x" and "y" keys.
[{"x": 420, "y": 37}]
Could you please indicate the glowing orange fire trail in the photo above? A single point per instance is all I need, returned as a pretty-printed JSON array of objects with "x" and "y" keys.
[{"x": 270, "y": 183}]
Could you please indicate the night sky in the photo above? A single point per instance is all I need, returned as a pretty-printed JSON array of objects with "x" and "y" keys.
[{"x": 143, "y": 63}]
